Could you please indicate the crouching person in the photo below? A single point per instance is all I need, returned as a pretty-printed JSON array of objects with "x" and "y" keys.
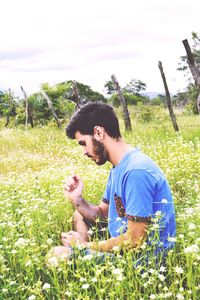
[{"x": 137, "y": 191}]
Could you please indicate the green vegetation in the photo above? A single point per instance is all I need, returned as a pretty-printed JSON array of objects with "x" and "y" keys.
[{"x": 33, "y": 213}]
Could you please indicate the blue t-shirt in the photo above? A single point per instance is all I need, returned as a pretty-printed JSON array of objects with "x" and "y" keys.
[{"x": 138, "y": 190}]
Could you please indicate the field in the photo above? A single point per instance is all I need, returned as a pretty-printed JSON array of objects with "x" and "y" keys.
[{"x": 33, "y": 213}]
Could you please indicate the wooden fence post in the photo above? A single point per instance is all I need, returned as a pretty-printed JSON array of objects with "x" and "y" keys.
[
  {"x": 122, "y": 100},
  {"x": 169, "y": 102},
  {"x": 49, "y": 102},
  {"x": 193, "y": 68},
  {"x": 76, "y": 94},
  {"x": 28, "y": 112}
]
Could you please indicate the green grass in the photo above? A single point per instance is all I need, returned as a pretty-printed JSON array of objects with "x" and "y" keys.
[{"x": 33, "y": 212}]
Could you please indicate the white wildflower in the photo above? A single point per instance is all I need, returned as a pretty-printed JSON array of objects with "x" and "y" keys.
[
  {"x": 143, "y": 245},
  {"x": 181, "y": 236},
  {"x": 49, "y": 241},
  {"x": 171, "y": 239},
  {"x": 90, "y": 232},
  {"x": 192, "y": 249},
  {"x": 152, "y": 296},
  {"x": 191, "y": 226},
  {"x": 20, "y": 242},
  {"x": 155, "y": 226},
  {"x": 88, "y": 257},
  {"x": 28, "y": 263},
  {"x": 119, "y": 277},
  {"x": 178, "y": 270},
  {"x": 46, "y": 286},
  {"x": 161, "y": 277},
  {"x": 85, "y": 286},
  {"x": 115, "y": 248},
  {"x": 152, "y": 271},
  {"x": 32, "y": 297},
  {"x": 53, "y": 261},
  {"x": 158, "y": 213},
  {"x": 117, "y": 271},
  {"x": 68, "y": 293},
  {"x": 162, "y": 269},
  {"x": 13, "y": 251},
  {"x": 179, "y": 296},
  {"x": 82, "y": 279},
  {"x": 144, "y": 275}
]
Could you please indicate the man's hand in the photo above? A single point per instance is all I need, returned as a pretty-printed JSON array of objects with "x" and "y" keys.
[
  {"x": 73, "y": 189},
  {"x": 72, "y": 238}
]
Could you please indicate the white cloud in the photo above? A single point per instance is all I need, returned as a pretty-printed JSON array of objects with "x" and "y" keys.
[{"x": 88, "y": 41}]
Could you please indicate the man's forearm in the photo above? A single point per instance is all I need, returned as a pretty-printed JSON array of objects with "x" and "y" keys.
[
  {"x": 123, "y": 241},
  {"x": 87, "y": 210}
]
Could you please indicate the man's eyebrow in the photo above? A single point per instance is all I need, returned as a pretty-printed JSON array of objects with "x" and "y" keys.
[{"x": 82, "y": 143}]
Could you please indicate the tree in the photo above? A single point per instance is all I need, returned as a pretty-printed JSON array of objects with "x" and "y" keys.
[
  {"x": 109, "y": 87},
  {"x": 7, "y": 105},
  {"x": 132, "y": 92},
  {"x": 85, "y": 93},
  {"x": 135, "y": 87}
]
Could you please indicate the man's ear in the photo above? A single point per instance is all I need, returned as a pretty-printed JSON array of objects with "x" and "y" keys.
[{"x": 99, "y": 133}]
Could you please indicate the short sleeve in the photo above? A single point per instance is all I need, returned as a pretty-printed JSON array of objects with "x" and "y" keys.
[
  {"x": 106, "y": 196},
  {"x": 138, "y": 193}
]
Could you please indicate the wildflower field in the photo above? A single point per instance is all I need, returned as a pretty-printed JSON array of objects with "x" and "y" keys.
[{"x": 33, "y": 213}]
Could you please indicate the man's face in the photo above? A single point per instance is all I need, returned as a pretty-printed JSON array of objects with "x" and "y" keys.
[{"x": 93, "y": 148}]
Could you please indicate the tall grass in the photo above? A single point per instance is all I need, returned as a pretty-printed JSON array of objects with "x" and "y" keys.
[{"x": 33, "y": 212}]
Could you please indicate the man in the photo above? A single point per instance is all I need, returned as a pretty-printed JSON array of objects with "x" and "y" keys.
[{"x": 137, "y": 192}]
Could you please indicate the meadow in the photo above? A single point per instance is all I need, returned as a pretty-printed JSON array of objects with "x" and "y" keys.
[{"x": 33, "y": 212}]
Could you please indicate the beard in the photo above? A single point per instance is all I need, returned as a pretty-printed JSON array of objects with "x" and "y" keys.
[{"x": 100, "y": 152}]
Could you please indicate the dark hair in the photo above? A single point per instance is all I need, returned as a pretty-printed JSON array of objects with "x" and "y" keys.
[{"x": 94, "y": 114}]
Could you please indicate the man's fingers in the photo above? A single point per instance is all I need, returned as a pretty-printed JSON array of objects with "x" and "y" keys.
[{"x": 71, "y": 183}]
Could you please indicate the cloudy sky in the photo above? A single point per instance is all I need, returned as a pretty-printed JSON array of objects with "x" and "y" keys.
[{"x": 89, "y": 40}]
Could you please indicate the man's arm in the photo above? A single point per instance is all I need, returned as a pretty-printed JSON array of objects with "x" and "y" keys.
[
  {"x": 73, "y": 189},
  {"x": 134, "y": 236}
]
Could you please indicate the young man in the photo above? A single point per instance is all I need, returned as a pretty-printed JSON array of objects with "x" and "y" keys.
[{"x": 137, "y": 191}]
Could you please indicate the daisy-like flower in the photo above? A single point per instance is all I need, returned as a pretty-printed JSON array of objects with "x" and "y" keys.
[
  {"x": 192, "y": 249},
  {"x": 162, "y": 269},
  {"x": 68, "y": 293},
  {"x": 117, "y": 271},
  {"x": 85, "y": 286},
  {"x": 178, "y": 270},
  {"x": 115, "y": 248},
  {"x": 171, "y": 239},
  {"x": 32, "y": 297},
  {"x": 46, "y": 286},
  {"x": 192, "y": 226},
  {"x": 53, "y": 261},
  {"x": 90, "y": 232},
  {"x": 161, "y": 277}
]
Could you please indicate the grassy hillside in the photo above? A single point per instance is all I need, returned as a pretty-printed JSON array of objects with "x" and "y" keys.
[{"x": 33, "y": 212}]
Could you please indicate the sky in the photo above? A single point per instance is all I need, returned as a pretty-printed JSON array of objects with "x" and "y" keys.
[{"x": 88, "y": 41}]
